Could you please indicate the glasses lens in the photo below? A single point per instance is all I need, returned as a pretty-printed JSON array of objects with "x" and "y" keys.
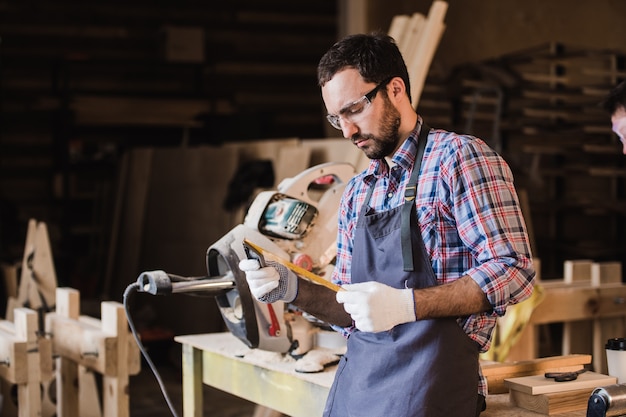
[
  {"x": 333, "y": 119},
  {"x": 356, "y": 108}
]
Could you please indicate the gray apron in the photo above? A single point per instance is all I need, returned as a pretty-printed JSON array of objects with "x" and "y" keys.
[{"x": 427, "y": 368}]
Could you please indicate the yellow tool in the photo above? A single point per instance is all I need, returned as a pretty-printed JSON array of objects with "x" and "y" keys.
[{"x": 295, "y": 268}]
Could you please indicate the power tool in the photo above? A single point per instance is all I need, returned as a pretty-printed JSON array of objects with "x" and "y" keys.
[{"x": 296, "y": 222}]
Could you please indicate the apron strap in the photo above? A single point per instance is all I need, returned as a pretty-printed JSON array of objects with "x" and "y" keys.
[{"x": 409, "y": 217}]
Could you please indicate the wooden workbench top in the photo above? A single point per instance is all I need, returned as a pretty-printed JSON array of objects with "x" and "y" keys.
[{"x": 228, "y": 348}]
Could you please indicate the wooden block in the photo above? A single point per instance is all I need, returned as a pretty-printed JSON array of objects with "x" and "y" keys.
[
  {"x": 554, "y": 403},
  {"x": 68, "y": 303},
  {"x": 538, "y": 384},
  {"x": 606, "y": 273},
  {"x": 411, "y": 36},
  {"x": 577, "y": 270},
  {"x": 497, "y": 372}
]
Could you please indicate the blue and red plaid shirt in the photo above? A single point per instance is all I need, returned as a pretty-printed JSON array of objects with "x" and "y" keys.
[{"x": 469, "y": 215}]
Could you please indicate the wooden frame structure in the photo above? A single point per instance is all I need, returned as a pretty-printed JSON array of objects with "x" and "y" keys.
[{"x": 104, "y": 346}]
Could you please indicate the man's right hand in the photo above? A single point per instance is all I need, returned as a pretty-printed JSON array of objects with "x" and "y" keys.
[{"x": 271, "y": 283}]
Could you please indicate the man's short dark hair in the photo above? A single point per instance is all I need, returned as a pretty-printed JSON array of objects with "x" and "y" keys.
[{"x": 375, "y": 56}]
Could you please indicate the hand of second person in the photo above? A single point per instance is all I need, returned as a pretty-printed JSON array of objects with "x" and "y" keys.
[{"x": 376, "y": 307}]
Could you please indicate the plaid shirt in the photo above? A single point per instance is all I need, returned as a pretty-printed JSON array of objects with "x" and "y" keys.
[{"x": 469, "y": 216}]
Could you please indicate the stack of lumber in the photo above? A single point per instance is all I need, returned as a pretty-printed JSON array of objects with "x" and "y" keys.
[
  {"x": 417, "y": 37},
  {"x": 540, "y": 109}
]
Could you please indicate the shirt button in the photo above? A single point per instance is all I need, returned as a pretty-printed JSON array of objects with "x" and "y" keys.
[{"x": 389, "y": 195}]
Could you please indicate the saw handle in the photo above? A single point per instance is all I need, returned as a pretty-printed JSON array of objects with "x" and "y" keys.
[
  {"x": 274, "y": 326},
  {"x": 253, "y": 253}
]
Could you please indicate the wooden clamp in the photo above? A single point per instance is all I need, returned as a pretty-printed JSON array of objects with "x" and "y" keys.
[{"x": 104, "y": 346}]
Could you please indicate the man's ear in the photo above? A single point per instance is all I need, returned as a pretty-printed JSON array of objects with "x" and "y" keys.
[{"x": 397, "y": 87}]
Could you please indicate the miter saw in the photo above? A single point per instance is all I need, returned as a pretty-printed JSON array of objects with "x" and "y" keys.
[{"x": 296, "y": 223}]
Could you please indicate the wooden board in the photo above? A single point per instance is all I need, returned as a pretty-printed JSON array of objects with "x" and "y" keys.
[
  {"x": 554, "y": 403},
  {"x": 497, "y": 372},
  {"x": 538, "y": 384}
]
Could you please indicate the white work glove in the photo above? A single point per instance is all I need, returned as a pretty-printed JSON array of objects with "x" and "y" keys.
[
  {"x": 376, "y": 307},
  {"x": 271, "y": 283}
]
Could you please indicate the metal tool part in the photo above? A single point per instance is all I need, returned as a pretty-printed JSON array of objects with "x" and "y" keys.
[
  {"x": 564, "y": 376},
  {"x": 608, "y": 401},
  {"x": 299, "y": 219}
]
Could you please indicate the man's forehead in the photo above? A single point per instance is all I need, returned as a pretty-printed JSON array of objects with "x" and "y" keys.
[{"x": 344, "y": 88}]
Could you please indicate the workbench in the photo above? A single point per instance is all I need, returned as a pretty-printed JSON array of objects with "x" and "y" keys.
[{"x": 222, "y": 361}]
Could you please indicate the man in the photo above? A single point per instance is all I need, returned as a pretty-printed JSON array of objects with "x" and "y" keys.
[
  {"x": 615, "y": 104},
  {"x": 425, "y": 270}
]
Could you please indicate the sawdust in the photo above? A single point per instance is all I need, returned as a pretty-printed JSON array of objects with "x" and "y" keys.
[
  {"x": 316, "y": 360},
  {"x": 264, "y": 356}
]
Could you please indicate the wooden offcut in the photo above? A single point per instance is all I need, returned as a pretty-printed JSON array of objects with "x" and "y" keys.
[
  {"x": 539, "y": 384},
  {"x": 497, "y": 372},
  {"x": 553, "y": 403}
]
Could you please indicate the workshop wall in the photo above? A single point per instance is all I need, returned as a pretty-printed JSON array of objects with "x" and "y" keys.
[
  {"x": 172, "y": 208},
  {"x": 85, "y": 83}
]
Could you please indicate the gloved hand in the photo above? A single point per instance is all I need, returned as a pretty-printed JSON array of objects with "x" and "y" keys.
[
  {"x": 376, "y": 307},
  {"x": 271, "y": 283}
]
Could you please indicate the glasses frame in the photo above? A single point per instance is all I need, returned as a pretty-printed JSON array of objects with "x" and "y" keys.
[{"x": 335, "y": 119}]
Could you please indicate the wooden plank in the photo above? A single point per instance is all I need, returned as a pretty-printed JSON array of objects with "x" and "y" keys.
[
  {"x": 575, "y": 271},
  {"x": 539, "y": 384},
  {"x": 429, "y": 38},
  {"x": 606, "y": 273},
  {"x": 552, "y": 403},
  {"x": 535, "y": 366},
  {"x": 411, "y": 36},
  {"x": 192, "y": 381},
  {"x": 116, "y": 398},
  {"x": 566, "y": 303},
  {"x": 398, "y": 29},
  {"x": 497, "y": 372},
  {"x": 89, "y": 402},
  {"x": 28, "y": 393},
  {"x": 67, "y": 381}
]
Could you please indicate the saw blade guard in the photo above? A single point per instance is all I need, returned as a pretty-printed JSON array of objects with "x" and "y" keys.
[
  {"x": 300, "y": 216},
  {"x": 246, "y": 318}
]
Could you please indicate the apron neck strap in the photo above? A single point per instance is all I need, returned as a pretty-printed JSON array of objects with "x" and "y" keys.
[{"x": 409, "y": 217}]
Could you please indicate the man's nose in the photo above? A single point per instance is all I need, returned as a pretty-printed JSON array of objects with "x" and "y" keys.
[{"x": 348, "y": 128}]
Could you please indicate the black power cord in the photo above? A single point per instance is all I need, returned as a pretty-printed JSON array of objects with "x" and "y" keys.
[{"x": 134, "y": 287}]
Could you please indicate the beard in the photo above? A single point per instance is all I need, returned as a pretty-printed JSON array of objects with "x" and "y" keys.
[{"x": 388, "y": 138}]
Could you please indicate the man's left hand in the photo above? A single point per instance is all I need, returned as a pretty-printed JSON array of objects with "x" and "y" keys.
[{"x": 376, "y": 307}]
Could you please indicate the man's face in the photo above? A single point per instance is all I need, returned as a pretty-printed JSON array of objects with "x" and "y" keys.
[
  {"x": 618, "y": 119},
  {"x": 372, "y": 128}
]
